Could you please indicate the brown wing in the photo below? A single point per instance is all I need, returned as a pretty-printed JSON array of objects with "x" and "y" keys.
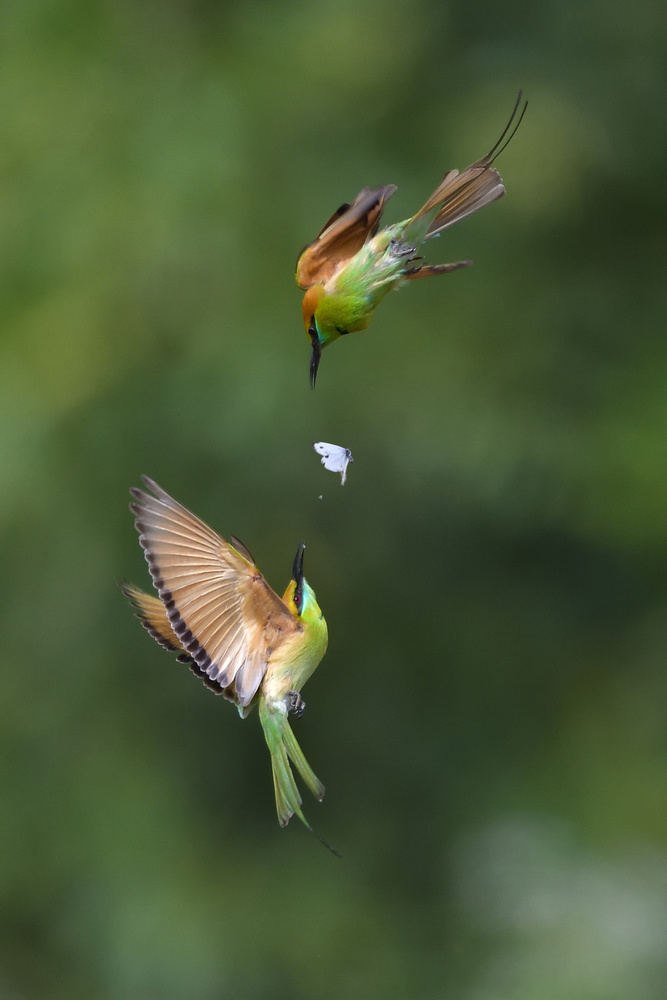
[
  {"x": 220, "y": 607},
  {"x": 153, "y": 617},
  {"x": 342, "y": 236},
  {"x": 429, "y": 270}
]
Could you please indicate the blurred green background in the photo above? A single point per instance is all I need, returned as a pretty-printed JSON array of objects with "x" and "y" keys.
[{"x": 490, "y": 718}]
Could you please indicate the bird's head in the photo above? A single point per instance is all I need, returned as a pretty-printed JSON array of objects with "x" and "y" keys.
[
  {"x": 319, "y": 330},
  {"x": 300, "y": 596}
]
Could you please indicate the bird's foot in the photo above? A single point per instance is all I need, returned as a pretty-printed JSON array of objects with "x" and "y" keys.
[
  {"x": 397, "y": 249},
  {"x": 295, "y": 703}
]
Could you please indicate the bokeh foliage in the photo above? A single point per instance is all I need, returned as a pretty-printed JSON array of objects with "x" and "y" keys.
[{"x": 490, "y": 717}]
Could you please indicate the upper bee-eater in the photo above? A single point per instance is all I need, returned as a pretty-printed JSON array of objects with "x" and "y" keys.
[
  {"x": 349, "y": 268},
  {"x": 216, "y": 609}
]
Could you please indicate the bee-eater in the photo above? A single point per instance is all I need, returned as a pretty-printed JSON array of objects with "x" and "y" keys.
[
  {"x": 217, "y": 611},
  {"x": 350, "y": 266}
]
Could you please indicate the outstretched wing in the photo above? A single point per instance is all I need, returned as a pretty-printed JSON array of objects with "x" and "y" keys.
[
  {"x": 221, "y": 609},
  {"x": 342, "y": 236},
  {"x": 152, "y": 615}
]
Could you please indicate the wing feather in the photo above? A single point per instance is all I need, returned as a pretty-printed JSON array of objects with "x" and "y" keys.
[
  {"x": 342, "y": 236},
  {"x": 152, "y": 615},
  {"x": 216, "y": 603}
]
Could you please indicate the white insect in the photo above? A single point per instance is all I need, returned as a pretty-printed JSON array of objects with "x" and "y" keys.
[{"x": 334, "y": 458}]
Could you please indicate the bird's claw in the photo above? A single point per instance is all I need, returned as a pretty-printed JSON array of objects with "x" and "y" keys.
[
  {"x": 397, "y": 249},
  {"x": 295, "y": 703}
]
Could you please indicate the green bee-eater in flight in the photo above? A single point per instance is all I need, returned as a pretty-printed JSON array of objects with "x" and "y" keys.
[
  {"x": 349, "y": 268},
  {"x": 217, "y": 611}
]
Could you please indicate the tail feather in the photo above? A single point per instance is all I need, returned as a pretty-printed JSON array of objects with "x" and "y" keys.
[
  {"x": 457, "y": 195},
  {"x": 475, "y": 188},
  {"x": 460, "y": 194},
  {"x": 303, "y": 767},
  {"x": 283, "y": 746},
  {"x": 288, "y": 800}
]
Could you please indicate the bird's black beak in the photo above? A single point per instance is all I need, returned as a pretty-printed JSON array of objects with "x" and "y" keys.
[
  {"x": 297, "y": 569},
  {"x": 315, "y": 356},
  {"x": 297, "y": 576}
]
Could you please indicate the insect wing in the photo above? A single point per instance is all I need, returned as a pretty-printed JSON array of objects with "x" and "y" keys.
[{"x": 334, "y": 458}]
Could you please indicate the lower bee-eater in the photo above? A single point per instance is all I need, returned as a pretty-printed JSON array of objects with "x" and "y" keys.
[
  {"x": 216, "y": 609},
  {"x": 349, "y": 268}
]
